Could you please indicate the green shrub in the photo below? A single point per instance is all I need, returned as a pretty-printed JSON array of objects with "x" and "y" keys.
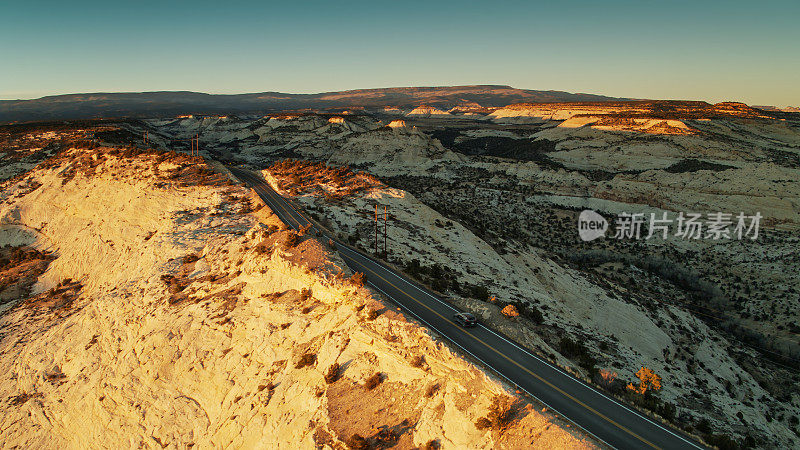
[
  {"x": 722, "y": 442},
  {"x": 578, "y": 352},
  {"x": 479, "y": 292},
  {"x": 703, "y": 426},
  {"x": 529, "y": 311}
]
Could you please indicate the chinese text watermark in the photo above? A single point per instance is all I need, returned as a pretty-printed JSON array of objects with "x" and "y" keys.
[{"x": 714, "y": 226}]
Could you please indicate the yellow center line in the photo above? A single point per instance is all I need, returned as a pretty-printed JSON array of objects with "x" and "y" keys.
[
  {"x": 517, "y": 364},
  {"x": 280, "y": 205}
]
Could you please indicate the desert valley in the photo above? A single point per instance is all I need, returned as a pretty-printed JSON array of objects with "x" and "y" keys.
[{"x": 151, "y": 298}]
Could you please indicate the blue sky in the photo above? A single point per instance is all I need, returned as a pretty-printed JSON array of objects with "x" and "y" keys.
[{"x": 714, "y": 51}]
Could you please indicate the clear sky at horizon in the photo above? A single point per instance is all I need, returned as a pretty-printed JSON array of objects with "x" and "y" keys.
[{"x": 713, "y": 51}]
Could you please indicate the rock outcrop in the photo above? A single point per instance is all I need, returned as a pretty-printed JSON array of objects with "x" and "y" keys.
[{"x": 176, "y": 311}]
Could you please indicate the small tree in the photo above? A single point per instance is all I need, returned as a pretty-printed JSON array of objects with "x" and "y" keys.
[
  {"x": 606, "y": 377},
  {"x": 357, "y": 442},
  {"x": 648, "y": 381},
  {"x": 373, "y": 314},
  {"x": 432, "y": 389},
  {"x": 292, "y": 239},
  {"x": 332, "y": 375},
  {"x": 373, "y": 381},
  {"x": 433, "y": 444},
  {"x": 500, "y": 414},
  {"x": 480, "y": 292},
  {"x": 307, "y": 359}
]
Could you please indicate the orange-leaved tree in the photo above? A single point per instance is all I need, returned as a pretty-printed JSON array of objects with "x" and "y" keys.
[
  {"x": 648, "y": 381},
  {"x": 510, "y": 311}
]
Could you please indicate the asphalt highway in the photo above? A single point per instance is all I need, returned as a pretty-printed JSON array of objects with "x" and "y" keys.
[{"x": 601, "y": 416}]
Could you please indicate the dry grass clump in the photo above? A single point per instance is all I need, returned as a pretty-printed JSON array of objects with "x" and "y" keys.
[
  {"x": 261, "y": 248},
  {"x": 385, "y": 437},
  {"x": 308, "y": 176},
  {"x": 21, "y": 399}
]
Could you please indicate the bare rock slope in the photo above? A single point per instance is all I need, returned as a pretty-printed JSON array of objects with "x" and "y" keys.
[{"x": 173, "y": 309}]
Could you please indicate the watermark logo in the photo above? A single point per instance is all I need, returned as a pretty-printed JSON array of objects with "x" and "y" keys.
[
  {"x": 591, "y": 225},
  {"x": 636, "y": 226}
]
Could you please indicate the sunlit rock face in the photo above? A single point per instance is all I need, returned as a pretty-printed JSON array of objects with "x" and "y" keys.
[
  {"x": 338, "y": 120},
  {"x": 428, "y": 111},
  {"x": 397, "y": 124},
  {"x": 392, "y": 110}
]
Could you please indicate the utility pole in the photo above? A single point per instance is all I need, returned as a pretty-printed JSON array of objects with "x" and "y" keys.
[
  {"x": 376, "y": 229},
  {"x": 385, "y": 219}
]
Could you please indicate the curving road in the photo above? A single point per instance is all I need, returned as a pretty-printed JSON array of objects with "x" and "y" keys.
[{"x": 604, "y": 418}]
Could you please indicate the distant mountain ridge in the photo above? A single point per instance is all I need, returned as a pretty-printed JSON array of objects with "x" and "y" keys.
[
  {"x": 792, "y": 109},
  {"x": 170, "y": 103}
]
